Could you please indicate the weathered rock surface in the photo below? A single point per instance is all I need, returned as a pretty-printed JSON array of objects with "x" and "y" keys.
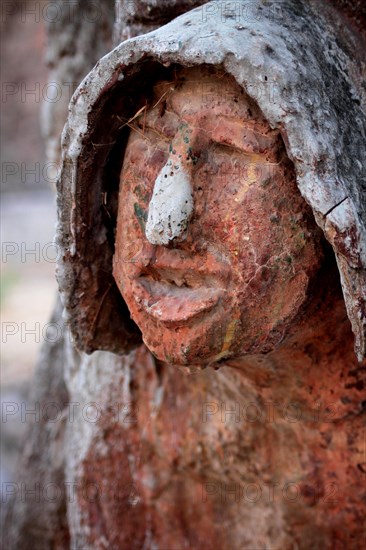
[{"x": 263, "y": 453}]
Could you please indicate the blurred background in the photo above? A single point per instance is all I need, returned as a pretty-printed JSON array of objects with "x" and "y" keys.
[
  {"x": 28, "y": 215},
  {"x": 46, "y": 50}
]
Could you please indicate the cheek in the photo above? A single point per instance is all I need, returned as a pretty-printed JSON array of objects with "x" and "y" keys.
[
  {"x": 215, "y": 207},
  {"x": 278, "y": 245},
  {"x": 230, "y": 205},
  {"x": 243, "y": 230}
]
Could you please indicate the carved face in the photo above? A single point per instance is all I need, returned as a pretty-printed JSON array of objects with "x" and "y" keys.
[{"x": 215, "y": 247}]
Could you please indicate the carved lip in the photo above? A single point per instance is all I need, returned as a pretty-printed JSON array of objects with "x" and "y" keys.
[
  {"x": 173, "y": 286},
  {"x": 172, "y": 301}
]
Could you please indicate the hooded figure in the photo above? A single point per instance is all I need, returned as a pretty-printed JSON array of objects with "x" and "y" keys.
[
  {"x": 210, "y": 465},
  {"x": 301, "y": 75}
]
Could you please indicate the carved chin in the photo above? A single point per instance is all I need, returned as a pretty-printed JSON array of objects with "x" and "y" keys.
[
  {"x": 199, "y": 346},
  {"x": 186, "y": 336}
]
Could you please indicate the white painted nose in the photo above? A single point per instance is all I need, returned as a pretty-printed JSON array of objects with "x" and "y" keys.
[{"x": 171, "y": 205}]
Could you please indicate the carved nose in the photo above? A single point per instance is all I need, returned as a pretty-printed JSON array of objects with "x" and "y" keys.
[{"x": 171, "y": 205}]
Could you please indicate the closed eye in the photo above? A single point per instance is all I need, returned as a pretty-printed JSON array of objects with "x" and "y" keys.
[{"x": 229, "y": 149}]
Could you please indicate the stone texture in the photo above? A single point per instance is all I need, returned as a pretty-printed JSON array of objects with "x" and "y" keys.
[
  {"x": 318, "y": 107},
  {"x": 167, "y": 464},
  {"x": 136, "y": 17},
  {"x": 262, "y": 453},
  {"x": 181, "y": 470}
]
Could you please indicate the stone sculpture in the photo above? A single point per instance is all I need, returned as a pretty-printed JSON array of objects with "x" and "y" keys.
[{"x": 213, "y": 189}]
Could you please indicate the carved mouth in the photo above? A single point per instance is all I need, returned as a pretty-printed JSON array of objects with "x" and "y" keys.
[
  {"x": 175, "y": 298},
  {"x": 174, "y": 286}
]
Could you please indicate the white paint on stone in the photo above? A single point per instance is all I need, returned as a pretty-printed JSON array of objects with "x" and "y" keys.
[{"x": 171, "y": 205}]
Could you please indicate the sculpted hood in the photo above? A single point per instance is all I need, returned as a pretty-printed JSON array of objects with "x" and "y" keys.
[{"x": 303, "y": 76}]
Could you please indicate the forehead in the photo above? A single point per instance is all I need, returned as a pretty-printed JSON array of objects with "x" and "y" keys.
[{"x": 202, "y": 89}]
